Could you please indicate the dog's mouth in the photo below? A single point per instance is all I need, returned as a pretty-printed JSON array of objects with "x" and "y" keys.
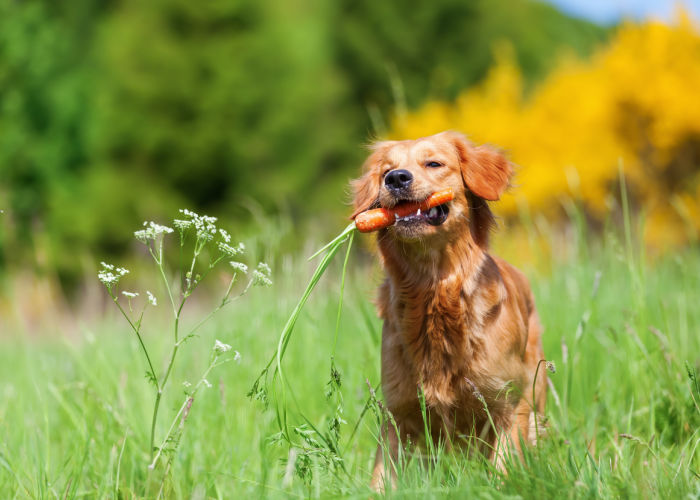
[{"x": 434, "y": 216}]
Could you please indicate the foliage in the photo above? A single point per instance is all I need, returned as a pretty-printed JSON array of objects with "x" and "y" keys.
[
  {"x": 632, "y": 105},
  {"x": 113, "y": 112},
  {"x": 400, "y": 53}
]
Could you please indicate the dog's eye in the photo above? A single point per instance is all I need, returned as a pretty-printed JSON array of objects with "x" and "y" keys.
[{"x": 433, "y": 164}]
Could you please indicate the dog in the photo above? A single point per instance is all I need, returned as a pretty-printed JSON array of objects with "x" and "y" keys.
[{"x": 460, "y": 330}]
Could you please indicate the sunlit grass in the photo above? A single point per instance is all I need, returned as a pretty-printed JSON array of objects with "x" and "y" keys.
[{"x": 623, "y": 415}]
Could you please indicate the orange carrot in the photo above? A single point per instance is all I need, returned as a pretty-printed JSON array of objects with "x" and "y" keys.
[{"x": 380, "y": 218}]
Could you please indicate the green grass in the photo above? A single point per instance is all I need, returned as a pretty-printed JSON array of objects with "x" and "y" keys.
[{"x": 622, "y": 330}]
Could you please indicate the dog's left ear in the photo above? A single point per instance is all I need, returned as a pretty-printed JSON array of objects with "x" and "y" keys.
[{"x": 486, "y": 172}]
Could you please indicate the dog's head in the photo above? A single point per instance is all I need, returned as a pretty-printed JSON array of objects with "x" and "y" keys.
[{"x": 400, "y": 171}]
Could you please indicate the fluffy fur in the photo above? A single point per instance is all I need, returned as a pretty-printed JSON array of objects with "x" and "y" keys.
[{"x": 460, "y": 325}]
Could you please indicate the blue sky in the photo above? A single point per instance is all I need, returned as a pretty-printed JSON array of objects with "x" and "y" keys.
[{"x": 610, "y": 11}]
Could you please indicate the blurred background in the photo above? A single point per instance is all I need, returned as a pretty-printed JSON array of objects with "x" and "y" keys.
[{"x": 113, "y": 112}]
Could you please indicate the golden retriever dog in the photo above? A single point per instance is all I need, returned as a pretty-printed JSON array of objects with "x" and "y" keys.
[{"x": 460, "y": 326}]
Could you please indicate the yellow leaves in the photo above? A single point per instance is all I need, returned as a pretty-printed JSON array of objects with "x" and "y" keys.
[{"x": 635, "y": 103}]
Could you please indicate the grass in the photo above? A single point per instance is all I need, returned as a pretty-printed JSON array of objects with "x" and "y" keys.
[{"x": 621, "y": 328}]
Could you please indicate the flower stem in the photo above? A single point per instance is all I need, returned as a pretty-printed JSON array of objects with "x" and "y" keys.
[
  {"x": 182, "y": 408},
  {"x": 153, "y": 421},
  {"x": 138, "y": 335}
]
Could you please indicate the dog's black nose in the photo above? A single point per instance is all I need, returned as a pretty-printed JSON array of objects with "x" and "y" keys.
[{"x": 398, "y": 179}]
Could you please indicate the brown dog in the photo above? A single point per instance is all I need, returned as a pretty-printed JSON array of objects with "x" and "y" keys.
[{"x": 459, "y": 324}]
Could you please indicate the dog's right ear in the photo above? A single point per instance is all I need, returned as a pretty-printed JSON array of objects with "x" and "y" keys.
[
  {"x": 485, "y": 171},
  {"x": 366, "y": 188}
]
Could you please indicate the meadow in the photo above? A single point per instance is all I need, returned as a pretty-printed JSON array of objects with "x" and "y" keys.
[
  {"x": 623, "y": 410},
  {"x": 256, "y": 112}
]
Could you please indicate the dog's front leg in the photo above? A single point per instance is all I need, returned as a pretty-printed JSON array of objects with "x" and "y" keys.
[{"x": 386, "y": 460}]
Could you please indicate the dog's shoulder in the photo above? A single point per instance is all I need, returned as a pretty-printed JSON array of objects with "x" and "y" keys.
[{"x": 517, "y": 285}]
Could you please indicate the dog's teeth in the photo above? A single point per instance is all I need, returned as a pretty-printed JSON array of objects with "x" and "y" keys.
[
  {"x": 418, "y": 212},
  {"x": 396, "y": 216}
]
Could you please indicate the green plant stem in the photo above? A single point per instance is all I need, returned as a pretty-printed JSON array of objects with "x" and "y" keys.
[
  {"x": 342, "y": 289},
  {"x": 156, "y": 405},
  {"x": 138, "y": 335},
  {"x": 159, "y": 262},
  {"x": 164, "y": 381},
  {"x": 182, "y": 408}
]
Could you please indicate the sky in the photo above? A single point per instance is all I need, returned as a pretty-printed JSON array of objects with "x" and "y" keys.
[{"x": 610, "y": 11}]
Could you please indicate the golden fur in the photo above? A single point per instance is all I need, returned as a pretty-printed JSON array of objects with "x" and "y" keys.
[{"x": 459, "y": 324}]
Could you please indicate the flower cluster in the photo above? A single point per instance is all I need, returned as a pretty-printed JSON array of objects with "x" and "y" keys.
[
  {"x": 239, "y": 266},
  {"x": 261, "y": 275},
  {"x": 204, "y": 225},
  {"x": 109, "y": 275},
  {"x": 229, "y": 250},
  {"x": 151, "y": 232},
  {"x": 220, "y": 347}
]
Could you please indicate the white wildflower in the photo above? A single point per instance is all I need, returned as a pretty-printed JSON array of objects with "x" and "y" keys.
[
  {"x": 182, "y": 224},
  {"x": 261, "y": 275},
  {"x": 220, "y": 347},
  {"x": 151, "y": 231},
  {"x": 151, "y": 298},
  {"x": 206, "y": 382},
  {"x": 237, "y": 356},
  {"x": 186, "y": 384},
  {"x": 107, "y": 278},
  {"x": 130, "y": 295},
  {"x": 239, "y": 266},
  {"x": 229, "y": 250},
  {"x": 551, "y": 367},
  {"x": 110, "y": 276},
  {"x": 203, "y": 224},
  {"x": 225, "y": 236}
]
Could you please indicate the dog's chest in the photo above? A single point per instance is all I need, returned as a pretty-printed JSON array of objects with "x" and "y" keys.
[{"x": 441, "y": 339}]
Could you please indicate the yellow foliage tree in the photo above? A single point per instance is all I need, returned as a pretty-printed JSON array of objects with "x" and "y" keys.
[{"x": 635, "y": 103}]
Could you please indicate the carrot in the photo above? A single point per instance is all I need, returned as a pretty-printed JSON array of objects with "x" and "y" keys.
[{"x": 380, "y": 218}]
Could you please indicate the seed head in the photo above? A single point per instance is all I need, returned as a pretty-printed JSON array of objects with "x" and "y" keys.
[{"x": 476, "y": 391}]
